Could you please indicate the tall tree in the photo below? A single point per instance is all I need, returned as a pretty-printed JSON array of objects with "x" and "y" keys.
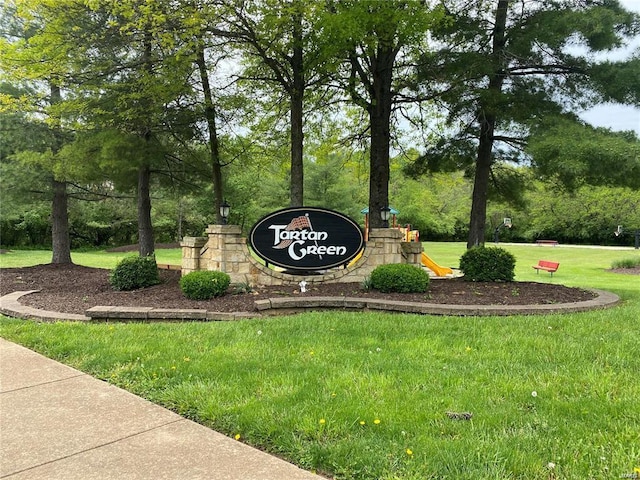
[
  {"x": 282, "y": 49},
  {"x": 379, "y": 42},
  {"x": 210, "y": 115},
  {"x": 186, "y": 57},
  {"x": 23, "y": 191},
  {"x": 28, "y": 53},
  {"x": 193, "y": 25},
  {"x": 504, "y": 65},
  {"x": 60, "y": 240},
  {"x": 126, "y": 81}
]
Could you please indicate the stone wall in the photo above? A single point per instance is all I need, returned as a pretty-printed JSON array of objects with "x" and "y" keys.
[{"x": 225, "y": 250}]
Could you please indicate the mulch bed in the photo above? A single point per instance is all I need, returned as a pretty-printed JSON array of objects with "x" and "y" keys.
[{"x": 74, "y": 289}]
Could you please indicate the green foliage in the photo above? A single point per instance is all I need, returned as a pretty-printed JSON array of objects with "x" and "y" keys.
[
  {"x": 204, "y": 284},
  {"x": 618, "y": 82},
  {"x": 240, "y": 288},
  {"x": 328, "y": 183},
  {"x": 119, "y": 97},
  {"x": 437, "y": 205},
  {"x": 485, "y": 66},
  {"x": 577, "y": 154},
  {"x": 588, "y": 215},
  {"x": 630, "y": 262},
  {"x": 135, "y": 272},
  {"x": 488, "y": 264},
  {"x": 399, "y": 277},
  {"x": 30, "y": 228}
]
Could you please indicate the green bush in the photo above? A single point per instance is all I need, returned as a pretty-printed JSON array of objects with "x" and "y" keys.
[
  {"x": 399, "y": 277},
  {"x": 135, "y": 272},
  {"x": 204, "y": 284},
  {"x": 488, "y": 264},
  {"x": 631, "y": 262}
]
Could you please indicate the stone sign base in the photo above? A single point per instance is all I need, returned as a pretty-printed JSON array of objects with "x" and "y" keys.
[{"x": 226, "y": 251}]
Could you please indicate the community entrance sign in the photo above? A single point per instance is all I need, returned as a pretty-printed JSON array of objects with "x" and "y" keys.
[{"x": 306, "y": 239}]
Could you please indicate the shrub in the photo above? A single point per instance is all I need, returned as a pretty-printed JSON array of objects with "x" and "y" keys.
[
  {"x": 204, "y": 284},
  {"x": 135, "y": 272},
  {"x": 488, "y": 264},
  {"x": 240, "y": 288},
  {"x": 630, "y": 262},
  {"x": 399, "y": 277}
]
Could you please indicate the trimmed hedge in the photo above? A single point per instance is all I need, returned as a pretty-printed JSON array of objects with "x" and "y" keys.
[
  {"x": 135, "y": 272},
  {"x": 399, "y": 277},
  {"x": 204, "y": 284},
  {"x": 488, "y": 264}
]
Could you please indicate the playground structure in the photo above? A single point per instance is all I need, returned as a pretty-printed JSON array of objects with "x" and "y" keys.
[
  {"x": 434, "y": 267},
  {"x": 408, "y": 235}
]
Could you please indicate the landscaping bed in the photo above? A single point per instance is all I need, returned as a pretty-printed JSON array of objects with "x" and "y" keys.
[{"x": 74, "y": 289}]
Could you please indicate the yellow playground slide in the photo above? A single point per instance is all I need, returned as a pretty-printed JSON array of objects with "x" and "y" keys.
[{"x": 434, "y": 267}]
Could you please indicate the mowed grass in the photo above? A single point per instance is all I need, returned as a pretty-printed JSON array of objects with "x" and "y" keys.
[
  {"x": 92, "y": 258},
  {"x": 371, "y": 395}
]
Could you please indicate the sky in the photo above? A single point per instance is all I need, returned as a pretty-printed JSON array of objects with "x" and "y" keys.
[{"x": 617, "y": 117}]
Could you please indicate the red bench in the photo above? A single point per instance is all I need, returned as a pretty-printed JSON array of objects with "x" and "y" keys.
[
  {"x": 547, "y": 266},
  {"x": 553, "y": 243}
]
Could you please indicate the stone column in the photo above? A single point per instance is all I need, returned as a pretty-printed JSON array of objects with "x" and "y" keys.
[
  {"x": 385, "y": 245},
  {"x": 222, "y": 247},
  {"x": 412, "y": 252},
  {"x": 191, "y": 250}
]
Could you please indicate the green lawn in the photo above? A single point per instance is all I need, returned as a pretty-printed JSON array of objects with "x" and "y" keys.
[
  {"x": 367, "y": 395},
  {"x": 97, "y": 258}
]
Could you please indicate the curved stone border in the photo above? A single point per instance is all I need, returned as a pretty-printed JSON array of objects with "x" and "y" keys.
[
  {"x": 150, "y": 314},
  {"x": 296, "y": 304},
  {"x": 10, "y": 306}
]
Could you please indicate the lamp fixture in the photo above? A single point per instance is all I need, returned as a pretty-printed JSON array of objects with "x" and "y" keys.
[
  {"x": 385, "y": 214},
  {"x": 224, "y": 211}
]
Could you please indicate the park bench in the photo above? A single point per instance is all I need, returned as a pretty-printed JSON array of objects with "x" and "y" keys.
[
  {"x": 547, "y": 266},
  {"x": 553, "y": 243}
]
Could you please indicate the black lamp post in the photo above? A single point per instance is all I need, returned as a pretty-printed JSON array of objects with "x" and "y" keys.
[
  {"x": 385, "y": 214},
  {"x": 224, "y": 211}
]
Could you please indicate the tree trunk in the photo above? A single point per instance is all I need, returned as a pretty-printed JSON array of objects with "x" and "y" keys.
[
  {"x": 379, "y": 169},
  {"x": 180, "y": 217},
  {"x": 478, "y": 217},
  {"x": 487, "y": 116},
  {"x": 146, "y": 243},
  {"x": 379, "y": 118},
  {"x": 296, "y": 98},
  {"x": 60, "y": 240},
  {"x": 61, "y": 243},
  {"x": 214, "y": 145}
]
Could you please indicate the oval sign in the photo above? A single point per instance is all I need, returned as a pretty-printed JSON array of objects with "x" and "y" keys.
[{"x": 306, "y": 238}]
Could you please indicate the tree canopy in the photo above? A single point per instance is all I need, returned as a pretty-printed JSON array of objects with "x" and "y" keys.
[
  {"x": 128, "y": 97},
  {"x": 501, "y": 67}
]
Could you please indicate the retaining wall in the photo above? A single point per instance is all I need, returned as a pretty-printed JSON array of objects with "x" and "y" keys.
[{"x": 225, "y": 250}]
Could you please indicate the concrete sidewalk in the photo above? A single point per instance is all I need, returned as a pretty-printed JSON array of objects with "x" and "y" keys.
[{"x": 59, "y": 423}]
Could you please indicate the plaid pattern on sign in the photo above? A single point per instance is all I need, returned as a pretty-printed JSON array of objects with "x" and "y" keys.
[{"x": 298, "y": 223}]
